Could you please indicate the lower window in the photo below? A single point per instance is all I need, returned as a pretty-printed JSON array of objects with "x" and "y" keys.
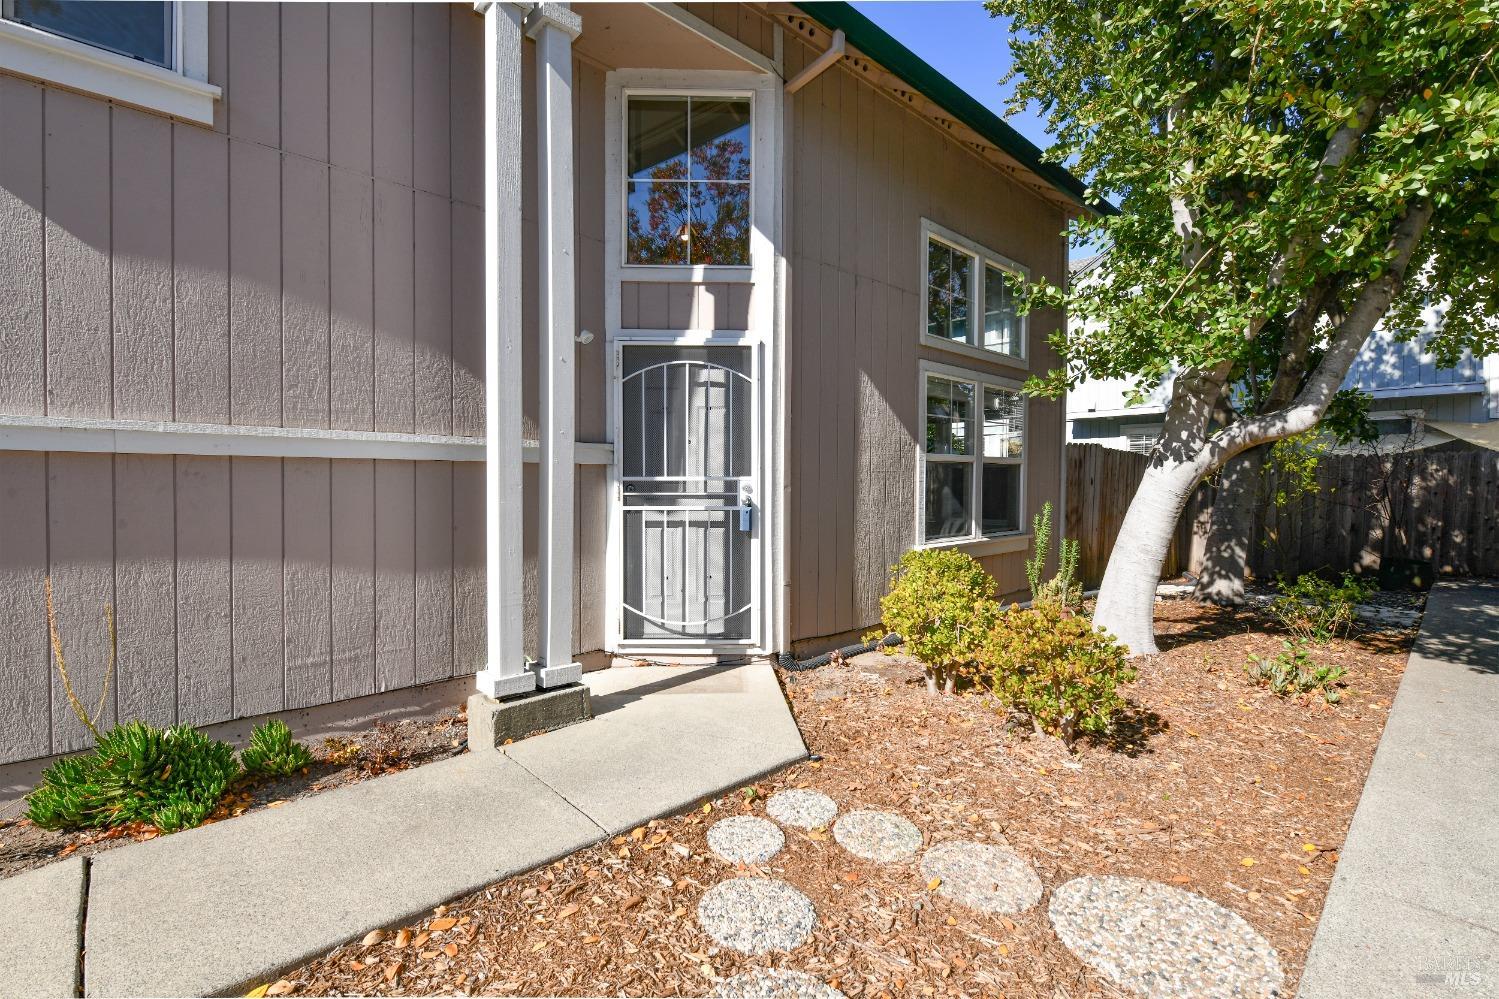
[{"x": 974, "y": 454}]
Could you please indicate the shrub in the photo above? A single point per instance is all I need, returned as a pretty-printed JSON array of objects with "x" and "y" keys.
[
  {"x": 170, "y": 778},
  {"x": 1294, "y": 671},
  {"x": 272, "y": 751},
  {"x": 1056, "y": 668},
  {"x": 941, "y": 603},
  {"x": 1063, "y": 589},
  {"x": 1314, "y": 610}
]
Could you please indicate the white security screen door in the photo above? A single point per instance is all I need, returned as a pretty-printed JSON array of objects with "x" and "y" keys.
[{"x": 689, "y": 507}]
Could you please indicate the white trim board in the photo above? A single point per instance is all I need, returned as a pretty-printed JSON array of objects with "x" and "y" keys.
[
  {"x": 48, "y": 433},
  {"x": 182, "y": 93}
]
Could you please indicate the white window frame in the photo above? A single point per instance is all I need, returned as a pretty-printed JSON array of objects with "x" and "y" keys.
[
  {"x": 182, "y": 92},
  {"x": 975, "y": 542},
  {"x": 620, "y": 182},
  {"x": 981, "y": 256}
]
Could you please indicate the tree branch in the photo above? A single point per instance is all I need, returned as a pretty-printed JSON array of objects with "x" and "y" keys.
[{"x": 1312, "y": 401}]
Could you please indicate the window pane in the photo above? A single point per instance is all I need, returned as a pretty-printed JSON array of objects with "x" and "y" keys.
[
  {"x": 948, "y": 487},
  {"x": 720, "y": 140},
  {"x": 657, "y": 141},
  {"x": 720, "y": 224},
  {"x": 962, "y": 274},
  {"x": 938, "y": 265},
  {"x": 1004, "y": 424},
  {"x": 949, "y": 416},
  {"x": 959, "y": 328},
  {"x": 139, "y": 30},
  {"x": 1001, "y": 504},
  {"x": 656, "y": 230},
  {"x": 1001, "y": 323}
]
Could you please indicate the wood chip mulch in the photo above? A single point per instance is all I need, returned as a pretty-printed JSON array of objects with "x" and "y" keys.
[{"x": 1214, "y": 785}]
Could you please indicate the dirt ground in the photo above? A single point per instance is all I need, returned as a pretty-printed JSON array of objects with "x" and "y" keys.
[
  {"x": 1212, "y": 784},
  {"x": 359, "y": 755}
]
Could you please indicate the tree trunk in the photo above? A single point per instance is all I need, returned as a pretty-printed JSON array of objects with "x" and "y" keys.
[
  {"x": 1126, "y": 599},
  {"x": 1225, "y": 557}
]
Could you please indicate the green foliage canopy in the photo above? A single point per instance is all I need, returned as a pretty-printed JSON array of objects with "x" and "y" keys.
[{"x": 1266, "y": 157}]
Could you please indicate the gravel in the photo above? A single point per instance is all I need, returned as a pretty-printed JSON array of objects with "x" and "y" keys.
[
  {"x": 1162, "y": 942},
  {"x": 756, "y": 915},
  {"x": 745, "y": 839},
  {"x": 803, "y": 809},
  {"x": 984, "y": 877},
  {"x": 878, "y": 836},
  {"x": 772, "y": 984}
]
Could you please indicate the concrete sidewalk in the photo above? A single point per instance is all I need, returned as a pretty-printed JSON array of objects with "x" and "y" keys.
[
  {"x": 1414, "y": 905},
  {"x": 217, "y": 910}
]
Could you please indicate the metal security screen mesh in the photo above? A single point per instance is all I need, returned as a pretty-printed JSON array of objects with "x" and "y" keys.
[{"x": 687, "y": 460}]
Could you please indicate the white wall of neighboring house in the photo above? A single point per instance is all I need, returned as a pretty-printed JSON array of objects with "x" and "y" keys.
[{"x": 1402, "y": 377}]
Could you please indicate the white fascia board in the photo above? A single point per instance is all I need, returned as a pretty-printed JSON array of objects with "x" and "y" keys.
[
  {"x": 54, "y": 59},
  {"x": 50, "y": 433},
  {"x": 1110, "y": 414}
]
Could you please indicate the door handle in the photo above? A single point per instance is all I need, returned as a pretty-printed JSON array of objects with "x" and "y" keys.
[{"x": 746, "y": 517}]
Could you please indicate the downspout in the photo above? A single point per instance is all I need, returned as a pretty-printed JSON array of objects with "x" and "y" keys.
[{"x": 818, "y": 66}]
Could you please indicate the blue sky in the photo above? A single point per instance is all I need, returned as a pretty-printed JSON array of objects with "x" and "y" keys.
[{"x": 959, "y": 38}]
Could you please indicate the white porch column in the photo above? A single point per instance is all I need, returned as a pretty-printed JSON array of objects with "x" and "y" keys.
[
  {"x": 554, "y": 27},
  {"x": 505, "y": 671}
]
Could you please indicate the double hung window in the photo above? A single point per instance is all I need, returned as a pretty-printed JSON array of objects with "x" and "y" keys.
[
  {"x": 970, "y": 296},
  {"x": 973, "y": 468}
]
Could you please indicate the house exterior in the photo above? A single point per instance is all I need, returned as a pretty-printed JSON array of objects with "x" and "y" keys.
[
  {"x": 1412, "y": 399},
  {"x": 353, "y": 348}
]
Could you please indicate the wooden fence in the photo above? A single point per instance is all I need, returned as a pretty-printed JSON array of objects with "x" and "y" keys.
[{"x": 1440, "y": 506}]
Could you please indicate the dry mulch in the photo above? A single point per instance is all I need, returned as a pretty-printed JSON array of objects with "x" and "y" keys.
[
  {"x": 348, "y": 759},
  {"x": 1213, "y": 784}
]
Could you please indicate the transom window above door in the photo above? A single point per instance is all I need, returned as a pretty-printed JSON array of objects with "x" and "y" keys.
[
  {"x": 687, "y": 180},
  {"x": 970, "y": 296}
]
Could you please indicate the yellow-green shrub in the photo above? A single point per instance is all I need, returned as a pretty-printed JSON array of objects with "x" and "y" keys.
[
  {"x": 1057, "y": 669},
  {"x": 941, "y": 603}
]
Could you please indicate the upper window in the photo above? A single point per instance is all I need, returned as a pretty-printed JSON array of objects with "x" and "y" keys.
[
  {"x": 130, "y": 28},
  {"x": 974, "y": 457},
  {"x": 970, "y": 296},
  {"x": 687, "y": 180}
]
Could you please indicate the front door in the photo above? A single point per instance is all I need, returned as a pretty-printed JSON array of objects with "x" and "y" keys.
[{"x": 687, "y": 458}]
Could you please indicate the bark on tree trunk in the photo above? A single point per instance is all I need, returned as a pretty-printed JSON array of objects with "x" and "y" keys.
[
  {"x": 1126, "y": 598},
  {"x": 1225, "y": 557}
]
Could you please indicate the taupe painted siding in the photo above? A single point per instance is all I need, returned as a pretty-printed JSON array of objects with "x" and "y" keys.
[
  {"x": 865, "y": 171},
  {"x": 314, "y": 260},
  {"x": 653, "y": 305}
]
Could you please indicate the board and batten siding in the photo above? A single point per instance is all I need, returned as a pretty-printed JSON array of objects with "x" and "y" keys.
[
  {"x": 865, "y": 171},
  {"x": 313, "y": 260}
]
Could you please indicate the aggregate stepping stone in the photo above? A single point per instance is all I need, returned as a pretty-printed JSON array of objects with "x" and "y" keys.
[
  {"x": 745, "y": 839},
  {"x": 801, "y": 808},
  {"x": 984, "y": 877},
  {"x": 756, "y": 915},
  {"x": 1163, "y": 942},
  {"x": 878, "y": 836},
  {"x": 771, "y": 984}
]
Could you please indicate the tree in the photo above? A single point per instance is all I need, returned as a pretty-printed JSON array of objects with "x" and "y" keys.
[{"x": 1288, "y": 173}]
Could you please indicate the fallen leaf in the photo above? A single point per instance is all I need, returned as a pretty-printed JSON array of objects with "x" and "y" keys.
[
  {"x": 441, "y": 910},
  {"x": 403, "y": 938},
  {"x": 638, "y": 833},
  {"x": 631, "y": 903},
  {"x": 1309, "y": 847},
  {"x": 373, "y": 937},
  {"x": 934, "y": 884},
  {"x": 420, "y": 939},
  {"x": 1181, "y": 879},
  {"x": 393, "y": 969},
  {"x": 1247, "y": 862},
  {"x": 281, "y": 988},
  {"x": 1302, "y": 868},
  {"x": 591, "y": 939},
  {"x": 356, "y": 965},
  {"x": 451, "y": 950},
  {"x": 447, "y": 923},
  {"x": 257, "y": 992},
  {"x": 538, "y": 946},
  {"x": 566, "y": 911}
]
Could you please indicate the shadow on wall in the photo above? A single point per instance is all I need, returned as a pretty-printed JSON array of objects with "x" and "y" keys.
[{"x": 1466, "y": 629}]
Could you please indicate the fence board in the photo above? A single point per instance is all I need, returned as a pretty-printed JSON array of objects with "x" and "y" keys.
[{"x": 1435, "y": 505}]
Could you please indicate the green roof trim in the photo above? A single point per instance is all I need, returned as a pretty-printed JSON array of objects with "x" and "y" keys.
[{"x": 883, "y": 48}]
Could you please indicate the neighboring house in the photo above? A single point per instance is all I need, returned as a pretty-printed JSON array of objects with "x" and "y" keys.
[
  {"x": 1411, "y": 398},
  {"x": 736, "y": 278}
]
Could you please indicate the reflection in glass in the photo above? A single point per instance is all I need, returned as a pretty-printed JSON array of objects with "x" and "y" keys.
[
  {"x": 1001, "y": 321},
  {"x": 720, "y": 223},
  {"x": 656, "y": 223},
  {"x": 131, "y": 28},
  {"x": 949, "y": 412},
  {"x": 947, "y": 491},
  {"x": 1001, "y": 505},
  {"x": 949, "y": 275},
  {"x": 1004, "y": 423},
  {"x": 687, "y": 193},
  {"x": 720, "y": 140}
]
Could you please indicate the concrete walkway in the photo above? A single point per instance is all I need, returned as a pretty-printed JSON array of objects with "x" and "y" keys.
[
  {"x": 217, "y": 910},
  {"x": 1414, "y": 906}
]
